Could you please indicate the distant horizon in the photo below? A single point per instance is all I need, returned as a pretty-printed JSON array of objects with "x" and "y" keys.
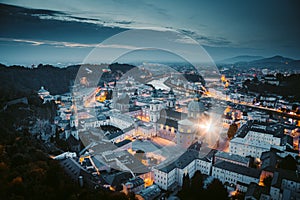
[
  {"x": 57, "y": 32},
  {"x": 70, "y": 63}
]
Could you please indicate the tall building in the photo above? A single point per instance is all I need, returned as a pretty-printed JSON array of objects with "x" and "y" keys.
[
  {"x": 155, "y": 108},
  {"x": 171, "y": 101},
  {"x": 186, "y": 134},
  {"x": 74, "y": 125}
]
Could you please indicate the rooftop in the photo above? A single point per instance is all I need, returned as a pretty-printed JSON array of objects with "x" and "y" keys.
[
  {"x": 186, "y": 158},
  {"x": 150, "y": 192},
  {"x": 251, "y": 172},
  {"x": 233, "y": 157},
  {"x": 136, "y": 182},
  {"x": 122, "y": 143},
  {"x": 116, "y": 178},
  {"x": 261, "y": 127},
  {"x": 172, "y": 114},
  {"x": 186, "y": 122},
  {"x": 122, "y": 160},
  {"x": 168, "y": 122}
]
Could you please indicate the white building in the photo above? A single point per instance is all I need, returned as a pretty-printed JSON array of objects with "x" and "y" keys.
[
  {"x": 254, "y": 138},
  {"x": 45, "y": 95},
  {"x": 71, "y": 128},
  {"x": 232, "y": 173},
  {"x": 258, "y": 116},
  {"x": 145, "y": 129},
  {"x": 185, "y": 135},
  {"x": 43, "y": 92},
  {"x": 171, "y": 101},
  {"x": 121, "y": 121},
  {"x": 169, "y": 175},
  {"x": 285, "y": 185},
  {"x": 154, "y": 110},
  {"x": 94, "y": 122}
]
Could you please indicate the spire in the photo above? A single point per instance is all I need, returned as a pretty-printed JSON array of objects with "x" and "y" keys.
[
  {"x": 154, "y": 93},
  {"x": 171, "y": 92},
  {"x": 197, "y": 97}
]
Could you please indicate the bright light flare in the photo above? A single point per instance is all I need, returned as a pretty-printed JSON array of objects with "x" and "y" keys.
[
  {"x": 207, "y": 126},
  {"x": 209, "y": 129}
]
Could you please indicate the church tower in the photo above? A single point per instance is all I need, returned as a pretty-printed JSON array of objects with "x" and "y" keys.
[
  {"x": 155, "y": 108},
  {"x": 74, "y": 125},
  {"x": 73, "y": 120},
  {"x": 171, "y": 101}
]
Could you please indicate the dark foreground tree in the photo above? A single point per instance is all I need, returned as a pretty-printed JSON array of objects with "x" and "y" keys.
[
  {"x": 232, "y": 130},
  {"x": 288, "y": 163},
  {"x": 185, "y": 193},
  {"x": 197, "y": 183},
  {"x": 267, "y": 181},
  {"x": 216, "y": 190}
]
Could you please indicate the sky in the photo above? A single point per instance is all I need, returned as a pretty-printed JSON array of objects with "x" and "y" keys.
[{"x": 58, "y": 31}]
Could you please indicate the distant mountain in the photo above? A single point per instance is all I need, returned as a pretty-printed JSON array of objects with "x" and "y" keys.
[
  {"x": 273, "y": 62},
  {"x": 237, "y": 59},
  {"x": 275, "y": 59}
]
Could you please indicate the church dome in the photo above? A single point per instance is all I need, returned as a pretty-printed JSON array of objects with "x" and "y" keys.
[
  {"x": 43, "y": 90},
  {"x": 196, "y": 106},
  {"x": 185, "y": 122}
]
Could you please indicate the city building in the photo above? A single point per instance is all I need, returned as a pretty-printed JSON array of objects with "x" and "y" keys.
[
  {"x": 254, "y": 138},
  {"x": 233, "y": 158},
  {"x": 285, "y": 185},
  {"x": 232, "y": 173},
  {"x": 169, "y": 175}
]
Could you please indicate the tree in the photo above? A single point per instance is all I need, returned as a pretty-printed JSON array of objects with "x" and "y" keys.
[
  {"x": 279, "y": 76},
  {"x": 216, "y": 190},
  {"x": 197, "y": 183},
  {"x": 185, "y": 193},
  {"x": 288, "y": 163},
  {"x": 186, "y": 182},
  {"x": 232, "y": 130},
  {"x": 139, "y": 154},
  {"x": 255, "y": 80},
  {"x": 267, "y": 181}
]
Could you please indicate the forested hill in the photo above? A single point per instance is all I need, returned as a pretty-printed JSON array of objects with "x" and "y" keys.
[{"x": 19, "y": 81}]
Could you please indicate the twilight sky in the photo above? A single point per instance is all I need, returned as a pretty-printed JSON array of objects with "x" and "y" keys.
[{"x": 58, "y": 31}]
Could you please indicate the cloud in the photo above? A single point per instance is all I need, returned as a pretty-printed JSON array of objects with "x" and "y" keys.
[
  {"x": 92, "y": 26},
  {"x": 213, "y": 41},
  {"x": 34, "y": 43},
  {"x": 205, "y": 40},
  {"x": 70, "y": 18},
  {"x": 68, "y": 44},
  {"x": 186, "y": 40}
]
